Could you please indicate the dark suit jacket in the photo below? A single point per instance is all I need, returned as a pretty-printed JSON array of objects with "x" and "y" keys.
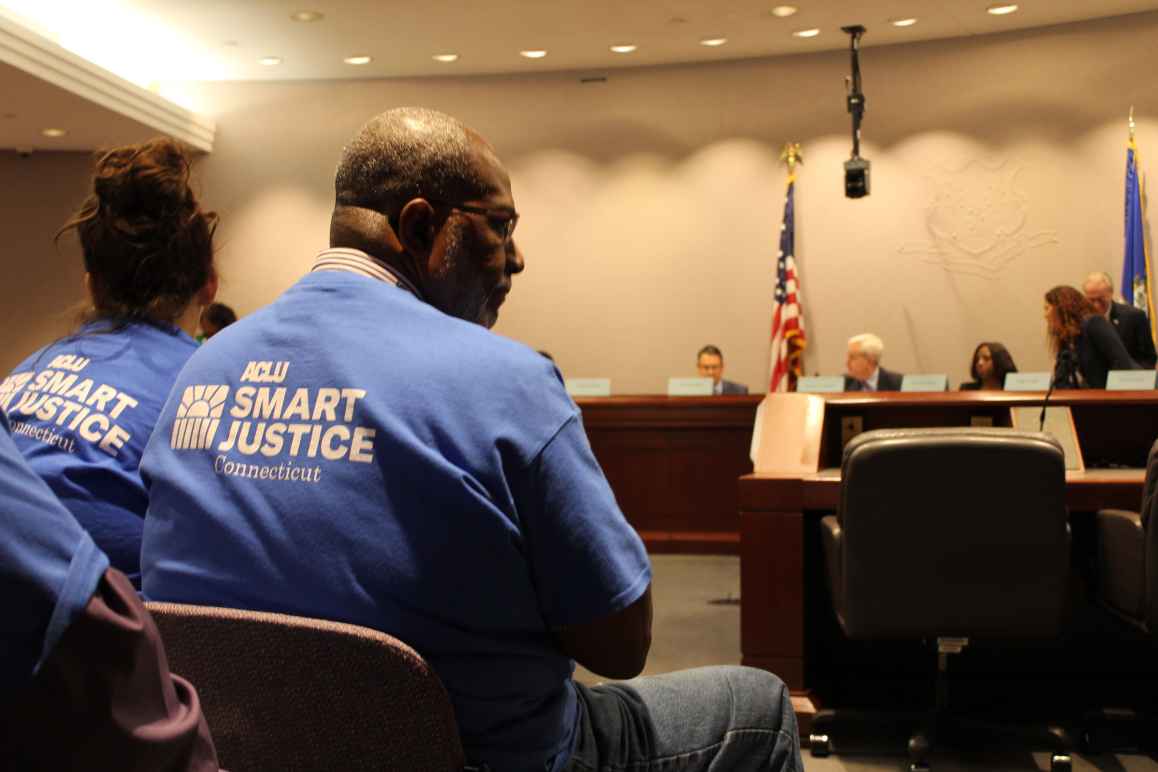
[
  {"x": 887, "y": 380},
  {"x": 1134, "y": 329},
  {"x": 729, "y": 387},
  {"x": 1098, "y": 351}
]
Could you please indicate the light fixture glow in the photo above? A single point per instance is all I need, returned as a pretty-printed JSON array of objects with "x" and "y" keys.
[
  {"x": 53, "y": 132},
  {"x": 445, "y": 57},
  {"x": 806, "y": 33},
  {"x": 903, "y": 22},
  {"x": 358, "y": 60},
  {"x": 713, "y": 42},
  {"x": 269, "y": 61},
  {"x": 307, "y": 16},
  {"x": 1002, "y": 8},
  {"x": 533, "y": 53},
  {"x": 624, "y": 49},
  {"x": 784, "y": 11}
]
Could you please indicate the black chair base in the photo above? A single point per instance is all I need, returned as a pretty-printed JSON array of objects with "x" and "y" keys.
[
  {"x": 1119, "y": 731},
  {"x": 858, "y": 732}
]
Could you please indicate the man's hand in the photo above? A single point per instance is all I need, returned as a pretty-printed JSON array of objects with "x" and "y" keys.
[{"x": 614, "y": 646}]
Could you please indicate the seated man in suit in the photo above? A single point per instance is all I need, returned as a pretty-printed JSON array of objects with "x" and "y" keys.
[
  {"x": 1131, "y": 323},
  {"x": 864, "y": 371},
  {"x": 710, "y": 363}
]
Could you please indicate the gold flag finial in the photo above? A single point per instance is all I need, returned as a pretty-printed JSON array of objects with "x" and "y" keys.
[
  {"x": 791, "y": 155},
  {"x": 1132, "y": 122}
]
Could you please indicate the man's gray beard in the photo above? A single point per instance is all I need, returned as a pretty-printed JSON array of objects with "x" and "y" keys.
[{"x": 470, "y": 302}]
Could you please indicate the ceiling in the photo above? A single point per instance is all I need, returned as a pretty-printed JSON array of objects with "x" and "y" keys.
[
  {"x": 224, "y": 39},
  {"x": 31, "y": 104},
  {"x": 115, "y": 53}
]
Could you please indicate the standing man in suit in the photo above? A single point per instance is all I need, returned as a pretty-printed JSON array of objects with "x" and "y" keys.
[
  {"x": 1131, "y": 323},
  {"x": 710, "y": 363},
  {"x": 863, "y": 366}
]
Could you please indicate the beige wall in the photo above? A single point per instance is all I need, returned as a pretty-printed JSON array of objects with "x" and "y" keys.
[
  {"x": 651, "y": 204},
  {"x": 41, "y": 284}
]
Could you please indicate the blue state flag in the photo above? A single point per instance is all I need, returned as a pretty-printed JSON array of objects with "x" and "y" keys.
[{"x": 1136, "y": 266}]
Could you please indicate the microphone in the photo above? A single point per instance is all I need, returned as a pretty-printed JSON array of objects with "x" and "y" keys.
[{"x": 1063, "y": 369}]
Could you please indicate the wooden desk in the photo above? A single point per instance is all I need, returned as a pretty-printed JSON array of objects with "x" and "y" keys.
[
  {"x": 673, "y": 464},
  {"x": 780, "y": 559}
]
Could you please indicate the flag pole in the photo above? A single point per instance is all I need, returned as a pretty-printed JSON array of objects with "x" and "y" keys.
[{"x": 791, "y": 155}]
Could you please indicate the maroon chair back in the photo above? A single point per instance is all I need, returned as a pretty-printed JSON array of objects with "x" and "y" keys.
[{"x": 290, "y": 693}]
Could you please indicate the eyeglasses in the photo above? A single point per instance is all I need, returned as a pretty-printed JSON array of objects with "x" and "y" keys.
[{"x": 502, "y": 221}]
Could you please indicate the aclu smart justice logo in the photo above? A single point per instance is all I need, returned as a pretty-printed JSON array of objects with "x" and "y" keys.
[{"x": 198, "y": 417}]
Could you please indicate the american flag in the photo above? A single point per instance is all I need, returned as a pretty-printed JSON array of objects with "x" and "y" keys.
[{"x": 788, "y": 319}]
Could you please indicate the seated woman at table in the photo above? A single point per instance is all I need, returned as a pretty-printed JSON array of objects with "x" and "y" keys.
[
  {"x": 1085, "y": 343},
  {"x": 991, "y": 362}
]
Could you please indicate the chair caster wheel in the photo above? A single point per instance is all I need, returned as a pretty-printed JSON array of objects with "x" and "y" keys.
[
  {"x": 818, "y": 744},
  {"x": 1061, "y": 762}
]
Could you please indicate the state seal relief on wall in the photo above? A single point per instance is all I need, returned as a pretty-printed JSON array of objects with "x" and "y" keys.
[{"x": 977, "y": 220}]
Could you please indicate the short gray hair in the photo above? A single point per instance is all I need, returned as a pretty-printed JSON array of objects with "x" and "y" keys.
[
  {"x": 869, "y": 345},
  {"x": 407, "y": 153},
  {"x": 1100, "y": 276}
]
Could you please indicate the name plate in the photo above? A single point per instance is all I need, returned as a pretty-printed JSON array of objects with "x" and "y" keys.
[
  {"x": 820, "y": 384},
  {"x": 588, "y": 387},
  {"x": 925, "y": 382},
  {"x": 1130, "y": 380},
  {"x": 689, "y": 387},
  {"x": 1027, "y": 381}
]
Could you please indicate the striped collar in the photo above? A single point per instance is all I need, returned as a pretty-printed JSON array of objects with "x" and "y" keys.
[{"x": 357, "y": 261}]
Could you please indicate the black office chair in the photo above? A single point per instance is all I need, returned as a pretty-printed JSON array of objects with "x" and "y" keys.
[
  {"x": 948, "y": 534},
  {"x": 1127, "y": 558}
]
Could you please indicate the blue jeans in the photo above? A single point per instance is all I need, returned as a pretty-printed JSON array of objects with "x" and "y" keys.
[{"x": 710, "y": 719}]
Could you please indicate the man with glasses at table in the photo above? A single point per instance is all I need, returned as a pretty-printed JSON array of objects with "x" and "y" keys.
[{"x": 364, "y": 450}]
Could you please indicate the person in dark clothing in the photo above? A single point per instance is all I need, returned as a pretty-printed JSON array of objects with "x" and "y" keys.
[
  {"x": 991, "y": 363},
  {"x": 1131, "y": 324},
  {"x": 1084, "y": 342}
]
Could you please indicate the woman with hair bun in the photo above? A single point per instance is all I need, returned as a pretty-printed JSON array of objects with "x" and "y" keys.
[{"x": 82, "y": 408}]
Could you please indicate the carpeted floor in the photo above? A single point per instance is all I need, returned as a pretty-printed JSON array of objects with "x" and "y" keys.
[{"x": 697, "y": 622}]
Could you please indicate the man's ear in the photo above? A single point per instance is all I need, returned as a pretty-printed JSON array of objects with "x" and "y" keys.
[{"x": 416, "y": 228}]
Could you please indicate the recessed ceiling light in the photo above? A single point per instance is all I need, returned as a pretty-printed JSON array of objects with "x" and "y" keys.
[
  {"x": 903, "y": 22},
  {"x": 307, "y": 16},
  {"x": 53, "y": 132},
  {"x": 784, "y": 11},
  {"x": 358, "y": 60},
  {"x": 534, "y": 53},
  {"x": 624, "y": 49},
  {"x": 445, "y": 57},
  {"x": 269, "y": 61},
  {"x": 806, "y": 33},
  {"x": 713, "y": 42},
  {"x": 1002, "y": 8}
]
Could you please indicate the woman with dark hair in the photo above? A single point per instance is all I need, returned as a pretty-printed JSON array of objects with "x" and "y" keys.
[
  {"x": 215, "y": 318},
  {"x": 82, "y": 408},
  {"x": 991, "y": 362},
  {"x": 1085, "y": 344}
]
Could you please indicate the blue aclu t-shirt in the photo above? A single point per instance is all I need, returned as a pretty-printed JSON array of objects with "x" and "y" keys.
[
  {"x": 351, "y": 453},
  {"x": 49, "y": 568},
  {"x": 81, "y": 411}
]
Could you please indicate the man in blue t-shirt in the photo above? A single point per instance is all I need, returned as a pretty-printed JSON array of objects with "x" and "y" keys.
[
  {"x": 365, "y": 450},
  {"x": 83, "y": 679}
]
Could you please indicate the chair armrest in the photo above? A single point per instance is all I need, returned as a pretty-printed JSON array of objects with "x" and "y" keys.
[
  {"x": 831, "y": 537},
  {"x": 1121, "y": 561}
]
